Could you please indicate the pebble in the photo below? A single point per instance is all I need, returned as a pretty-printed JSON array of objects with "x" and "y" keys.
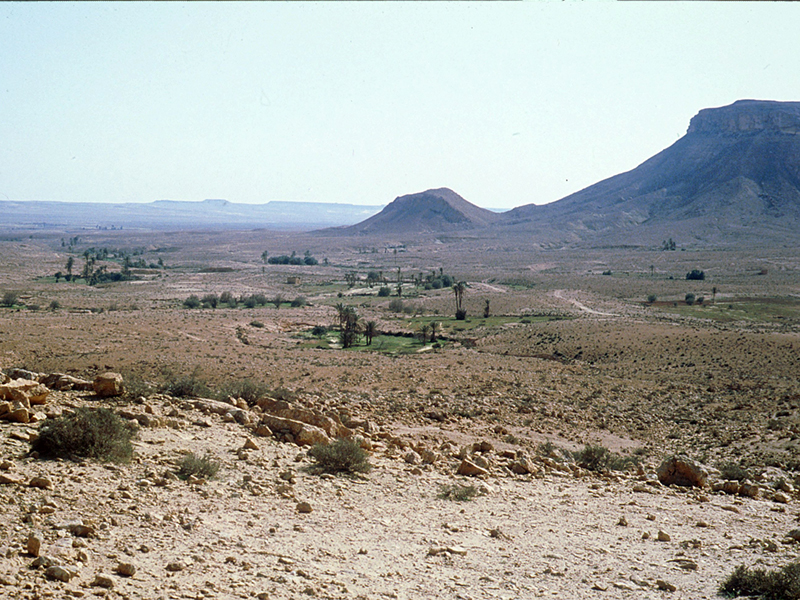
[
  {"x": 663, "y": 536},
  {"x": 176, "y": 566},
  {"x": 304, "y": 507},
  {"x": 34, "y": 544},
  {"x": 665, "y": 586},
  {"x": 126, "y": 569},
  {"x": 40, "y": 482},
  {"x": 56, "y": 573},
  {"x": 103, "y": 581}
]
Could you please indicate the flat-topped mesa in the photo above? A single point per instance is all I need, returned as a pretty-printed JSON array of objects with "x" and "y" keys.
[{"x": 748, "y": 116}]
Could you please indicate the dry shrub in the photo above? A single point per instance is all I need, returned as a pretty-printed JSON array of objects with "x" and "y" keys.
[
  {"x": 98, "y": 434},
  {"x": 782, "y": 584},
  {"x": 342, "y": 456},
  {"x": 202, "y": 467},
  {"x": 458, "y": 492}
]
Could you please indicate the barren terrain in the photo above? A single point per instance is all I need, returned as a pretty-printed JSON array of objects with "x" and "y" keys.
[{"x": 572, "y": 353}]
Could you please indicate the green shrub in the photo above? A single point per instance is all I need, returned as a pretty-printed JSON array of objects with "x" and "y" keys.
[
  {"x": 248, "y": 390},
  {"x": 9, "y": 298},
  {"x": 319, "y": 330},
  {"x": 733, "y": 471},
  {"x": 342, "y": 456},
  {"x": 257, "y": 324},
  {"x": 192, "y": 302},
  {"x": 98, "y": 434},
  {"x": 461, "y": 314},
  {"x": 689, "y": 298},
  {"x": 210, "y": 301},
  {"x": 652, "y": 298},
  {"x": 458, "y": 492},
  {"x": 384, "y": 291},
  {"x": 696, "y": 275},
  {"x": 396, "y": 305},
  {"x": 184, "y": 386},
  {"x": 599, "y": 458},
  {"x": 782, "y": 584},
  {"x": 204, "y": 467},
  {"x": 298, "y": 302},
  {"x": 54, "y": 305}
]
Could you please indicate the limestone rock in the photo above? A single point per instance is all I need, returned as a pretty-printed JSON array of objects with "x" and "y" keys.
[
  {"x": 663, "y": 536},
  {"x": 63, "y": 382},
  {"x": 23, "y": 374},
  {"x": 304, "y": 507},
  {"x": 682, "y": 471},
  {"x": 25, "y": 391},
  {"x": 40, "y": 482},
  {"x": 467, "y": 467},
  {"x": 175, "y": 566},
  {"x": 108, "y": 384},
  {"x": 303, "y": 433}
]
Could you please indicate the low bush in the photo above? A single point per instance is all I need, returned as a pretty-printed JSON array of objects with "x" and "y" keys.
[
  {"x": 461, "y": 314},
  {"x": 247, "y": 389},
  {"x": 202, "y": 467},
  {"x": 319, "y": 330},
  {"x": 689, "y": 298},
  {"x": 192, "y": 302},
  {"x": 781, "y": 584},
  {"x": 599, "y": 458},
  {"x": 186, "y": 386},
  {"x": 458, "y": 492},
  {"x": 695, "y": 275},
  {"x": 733, "y": 471},
  {"x": 652, "y": 298},
  {"x": 342, "y": 456},
  {"x": 384, "y": 291},
  {"x": 298, "y": 302},
  {"x": 98, "y": 433},
  {"x": 396, "y": 305},
  {"x": 9, "y": 299},
  {"x": 257, "y": 324}
]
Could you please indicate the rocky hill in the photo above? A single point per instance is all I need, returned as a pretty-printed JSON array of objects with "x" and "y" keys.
[
  {"x": 432, "y": 211},
  {"x": 735, "y": 175}
]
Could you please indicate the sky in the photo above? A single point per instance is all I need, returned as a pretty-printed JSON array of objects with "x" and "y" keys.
[{"x": 505, "y": 103}]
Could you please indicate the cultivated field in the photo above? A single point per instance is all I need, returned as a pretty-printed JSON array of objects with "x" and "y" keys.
[{"x": 596, "y": 347}]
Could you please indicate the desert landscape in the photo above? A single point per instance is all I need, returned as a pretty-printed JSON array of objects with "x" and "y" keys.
[{"x": 514, "y": 456}]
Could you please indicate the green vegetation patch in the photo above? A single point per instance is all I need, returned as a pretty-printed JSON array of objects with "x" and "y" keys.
[
  {"x": 760, "y": 310},
  {"x": 96, "y": 433},
  {"x": 781, "y": 584},
  {"x": 458, "y": 492},
  {"x": 201, "y": 467},
  {"x": 342, "y": 456}
]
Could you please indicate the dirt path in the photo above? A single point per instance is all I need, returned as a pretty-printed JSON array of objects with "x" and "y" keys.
[{"x": 560, "y": 294}]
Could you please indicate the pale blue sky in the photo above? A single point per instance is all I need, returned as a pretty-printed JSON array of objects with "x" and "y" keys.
[{"x": 505, "y": 103}]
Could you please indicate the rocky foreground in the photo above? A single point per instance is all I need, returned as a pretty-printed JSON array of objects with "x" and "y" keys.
[{"x": 268, "y": 526}]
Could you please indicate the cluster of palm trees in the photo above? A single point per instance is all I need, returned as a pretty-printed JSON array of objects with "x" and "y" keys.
[{"x": 351, "y": 326}]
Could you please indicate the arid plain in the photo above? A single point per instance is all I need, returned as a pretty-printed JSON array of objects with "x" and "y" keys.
[{"x": 580, "y": 346}]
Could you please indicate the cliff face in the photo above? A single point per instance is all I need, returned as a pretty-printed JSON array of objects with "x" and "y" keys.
[
  {"x": 748, "y": 116},
  {"x": 737, "y": 170}
]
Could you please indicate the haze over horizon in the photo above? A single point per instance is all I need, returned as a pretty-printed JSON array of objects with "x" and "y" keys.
[{"x": 358, "y": 103}]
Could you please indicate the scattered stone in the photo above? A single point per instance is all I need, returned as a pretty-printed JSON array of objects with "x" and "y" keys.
[
  {"x": 40, "y": 482},
  {"x": 57, "y": 573},
  {"x": 176, "y": 566},
  {"x": 263, "y": 431},
  {"x": 780, "y": 497},
  {"x": 250, "y": 445},
  {"x": 304, "y": 507},
  {"x": 126, "y": 569},
  {"x": 663, "y": 536},
  {"x": 623, "y": 522},
  {"x": 686, "y": 564},
  {"x": 103, "y": 581},
  {"x": 794, "y": 534},
  {"x": 412, "y": 458},
  {"x": 108, "y": 384},
  {"x": 665, "y": 586},
  {"x": 33, "y": 544},
  {"x": 9, "y": 480},
  {"x": 682, "y": 471},
  {"x": 645, "y": 535}
]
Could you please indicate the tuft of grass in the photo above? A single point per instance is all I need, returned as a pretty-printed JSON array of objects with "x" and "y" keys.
[
  {"x": 458, "y": 492},
  {"x": 202, "y": 467},
  {"x": 342, "y": 456},
  {"x": 781, "y": 584},
  {"x": 99, "y": 434}
]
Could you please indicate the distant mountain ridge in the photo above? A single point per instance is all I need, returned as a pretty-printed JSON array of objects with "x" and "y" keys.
[{"x": 178, "y": 214}]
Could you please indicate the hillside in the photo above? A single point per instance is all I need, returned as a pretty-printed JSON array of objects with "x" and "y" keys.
[
  {"x": 734, "y": 176},
  {"x": 432, "y": 211}
]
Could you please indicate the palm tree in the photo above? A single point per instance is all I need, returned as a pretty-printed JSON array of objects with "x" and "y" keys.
[
  {"x": 434, "y": 327},
  {"x": 458, "y": 290},
  {"x": 370, "y": 331},
  {"x": 424, "y": 332}
]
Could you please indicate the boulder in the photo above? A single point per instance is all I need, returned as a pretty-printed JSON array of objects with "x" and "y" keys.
[
  {"x": 303, "y": 433},
  {"x": 467, "y": 467},
  {"x": 62, "y": 382},
  {"x": 25, "y": 391},
  {"x": 682, "y": 471},
  {"x": 22, "y": 374},
  {"x": 108, "y": 384}
]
